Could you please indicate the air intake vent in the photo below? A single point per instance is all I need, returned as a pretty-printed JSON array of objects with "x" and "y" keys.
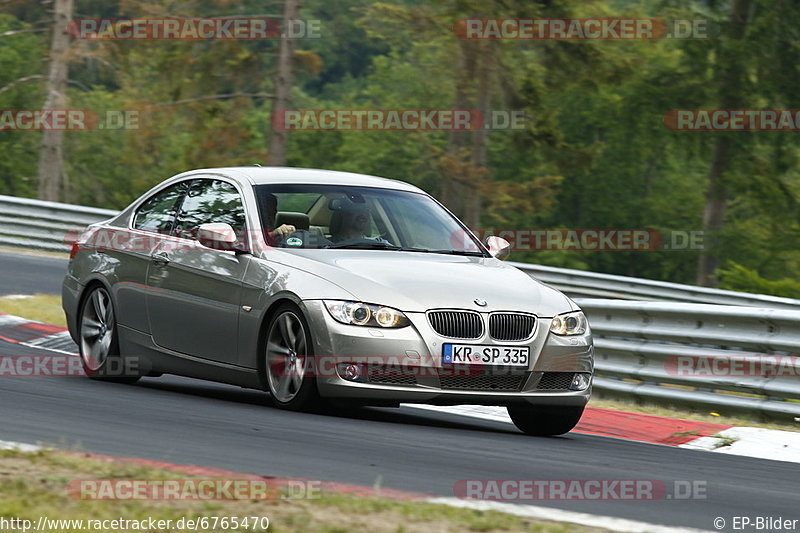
[
  {"x": 456, "y": 324},
  {"x": 555, "y": 381},
  {"x": 511, "y": 326},
  {"x": 392, "y": 379},
  {"x": 508, "y": 383}
]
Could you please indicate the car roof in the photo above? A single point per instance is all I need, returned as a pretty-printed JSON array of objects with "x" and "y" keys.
[{"x": 258, "y": 175}]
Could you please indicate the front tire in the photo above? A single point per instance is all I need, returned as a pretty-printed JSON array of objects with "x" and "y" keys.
[
  {"x": 99, "y": 339},
  {"x": 544, "y": 421},
  {"x": 289, "y": 360}
]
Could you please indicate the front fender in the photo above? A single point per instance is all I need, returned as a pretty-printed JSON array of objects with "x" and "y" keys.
[{"x": 266, "y": 284}]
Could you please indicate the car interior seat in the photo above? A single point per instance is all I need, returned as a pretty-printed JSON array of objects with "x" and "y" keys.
[{"x": 298, "y": 220}]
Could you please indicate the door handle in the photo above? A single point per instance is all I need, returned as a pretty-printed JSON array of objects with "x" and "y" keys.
[{"x": 160, "y": 258}]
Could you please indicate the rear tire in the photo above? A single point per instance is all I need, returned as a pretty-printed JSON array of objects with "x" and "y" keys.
[
  {"x": 99, "y": 339},
  {"x": 544, "y": 421},
  {"x": 288, "y": 356}
]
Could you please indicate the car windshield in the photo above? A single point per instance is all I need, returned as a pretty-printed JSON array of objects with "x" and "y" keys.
[{"x": 341, "y": 217}]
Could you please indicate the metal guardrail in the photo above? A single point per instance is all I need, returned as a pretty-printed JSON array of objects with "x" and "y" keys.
[
  {"x": 584, "y": 284},
  {"x": 734, "y": 359},
  {"x": 644, "y": 349},
  {"x": 44, "y": 225}
]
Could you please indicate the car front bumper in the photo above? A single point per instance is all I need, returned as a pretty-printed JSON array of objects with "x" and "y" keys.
[{"x": 404, "y": 365}]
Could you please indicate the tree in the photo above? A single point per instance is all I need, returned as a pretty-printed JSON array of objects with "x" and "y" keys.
[
  {"x": 51, "y": 155},
  {"x": 283, "y": 86},
  {"x": 730, "y": 73}
]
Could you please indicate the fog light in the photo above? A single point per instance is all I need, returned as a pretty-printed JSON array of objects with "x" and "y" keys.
[
  {"x": 349, "y": 371},
  {"x": 580, "y": 382}
]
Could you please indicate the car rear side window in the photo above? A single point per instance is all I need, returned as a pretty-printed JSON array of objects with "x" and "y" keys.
[
  {"x": 157, "y": 213},
  {"x": 210, "y": 201}
]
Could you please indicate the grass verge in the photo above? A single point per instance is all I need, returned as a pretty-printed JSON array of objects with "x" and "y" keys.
[
  {"x": 30, "y": 251},
  {"x": 34, "y": 485},
  {"x": 41, "y": 307},
  {"x": 704, "y": 415}
]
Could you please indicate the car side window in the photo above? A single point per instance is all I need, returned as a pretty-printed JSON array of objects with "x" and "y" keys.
[
  {"x": 157, "y": 213},
  {"x": 209, "y": 201}
]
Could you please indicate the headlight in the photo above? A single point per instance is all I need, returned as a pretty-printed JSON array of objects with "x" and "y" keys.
[
  {"x": 361, "y": 314},
  {"x": 569, "y": 324}
]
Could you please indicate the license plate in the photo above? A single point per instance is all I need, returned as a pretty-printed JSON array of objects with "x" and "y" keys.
[{"x": 483, "y": 354}]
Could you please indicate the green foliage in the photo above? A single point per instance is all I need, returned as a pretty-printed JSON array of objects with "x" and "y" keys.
[
  {"x": 594, "y": 151},
  {"x": 739, "y": 278},
  {"x": 19, "y": 149}
]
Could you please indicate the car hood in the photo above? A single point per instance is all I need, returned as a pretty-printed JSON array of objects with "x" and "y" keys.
[{"x": 417, "y": 282}]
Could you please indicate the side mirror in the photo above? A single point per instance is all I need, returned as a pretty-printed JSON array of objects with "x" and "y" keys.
[
  {"x": 217, "y": 236},
  {"x": 498, "y": 247}
]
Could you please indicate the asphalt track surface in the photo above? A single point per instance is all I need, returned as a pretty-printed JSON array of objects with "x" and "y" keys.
[
  {"x": 22, "y": 273},
  {"x": 187, "y": 421}
]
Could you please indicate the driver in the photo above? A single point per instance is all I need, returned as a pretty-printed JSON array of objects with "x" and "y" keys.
[{"x": 270, "y": 203}]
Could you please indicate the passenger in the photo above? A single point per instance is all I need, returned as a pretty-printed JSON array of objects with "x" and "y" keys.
[{"x": 351, "y": 222}]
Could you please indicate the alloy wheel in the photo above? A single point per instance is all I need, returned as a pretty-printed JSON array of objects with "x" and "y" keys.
[
  {"x": 97, "y": 329},
  {"x": 286, "y": 356}
]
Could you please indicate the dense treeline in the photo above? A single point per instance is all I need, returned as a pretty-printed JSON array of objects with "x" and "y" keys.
[{"x": 594, "y": 151}]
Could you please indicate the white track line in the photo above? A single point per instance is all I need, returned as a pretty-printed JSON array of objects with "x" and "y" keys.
[
  {"x": 559, "y": 515},
  {"x": 760, "y": 443},
  {"x": 11, "y": 319},
  {"x": 19, "y": 446},
  {"x": 752, "y": 442},
  {"x": 484, "y": 412}
]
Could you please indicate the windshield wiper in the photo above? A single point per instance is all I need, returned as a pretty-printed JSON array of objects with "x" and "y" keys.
[
  {"x": 470, "y": 253},
  {"x": 377, "y": 245},
  {"x": 475, "y": 253},
  {"x": 365, "y": 246}
]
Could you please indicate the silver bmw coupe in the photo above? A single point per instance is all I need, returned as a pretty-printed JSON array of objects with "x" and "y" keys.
[{"x": 325, "y": 289}]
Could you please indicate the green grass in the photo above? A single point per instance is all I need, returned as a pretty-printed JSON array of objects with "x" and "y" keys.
[
  {"x": 41, "y": 307},
  {"x": 704, "y": 415},
  {"x": 35, "y": 484},
  {"x": 31, "y": 251},
  {"x": 723, "y": 441}
]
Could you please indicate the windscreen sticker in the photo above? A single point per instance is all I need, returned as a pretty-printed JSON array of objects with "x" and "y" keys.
[{"x": 294, "y": 241}]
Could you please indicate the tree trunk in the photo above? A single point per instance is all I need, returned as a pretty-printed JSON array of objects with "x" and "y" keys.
[
  {"x": 51, "y": 154},
  {"x": 730, "y": 75},
  {"x": 278, "y": 138},
  {"x": 713, "y": 213},
  {"x": 480, "y": 136},
  {"x": 452, "y": 189}
]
